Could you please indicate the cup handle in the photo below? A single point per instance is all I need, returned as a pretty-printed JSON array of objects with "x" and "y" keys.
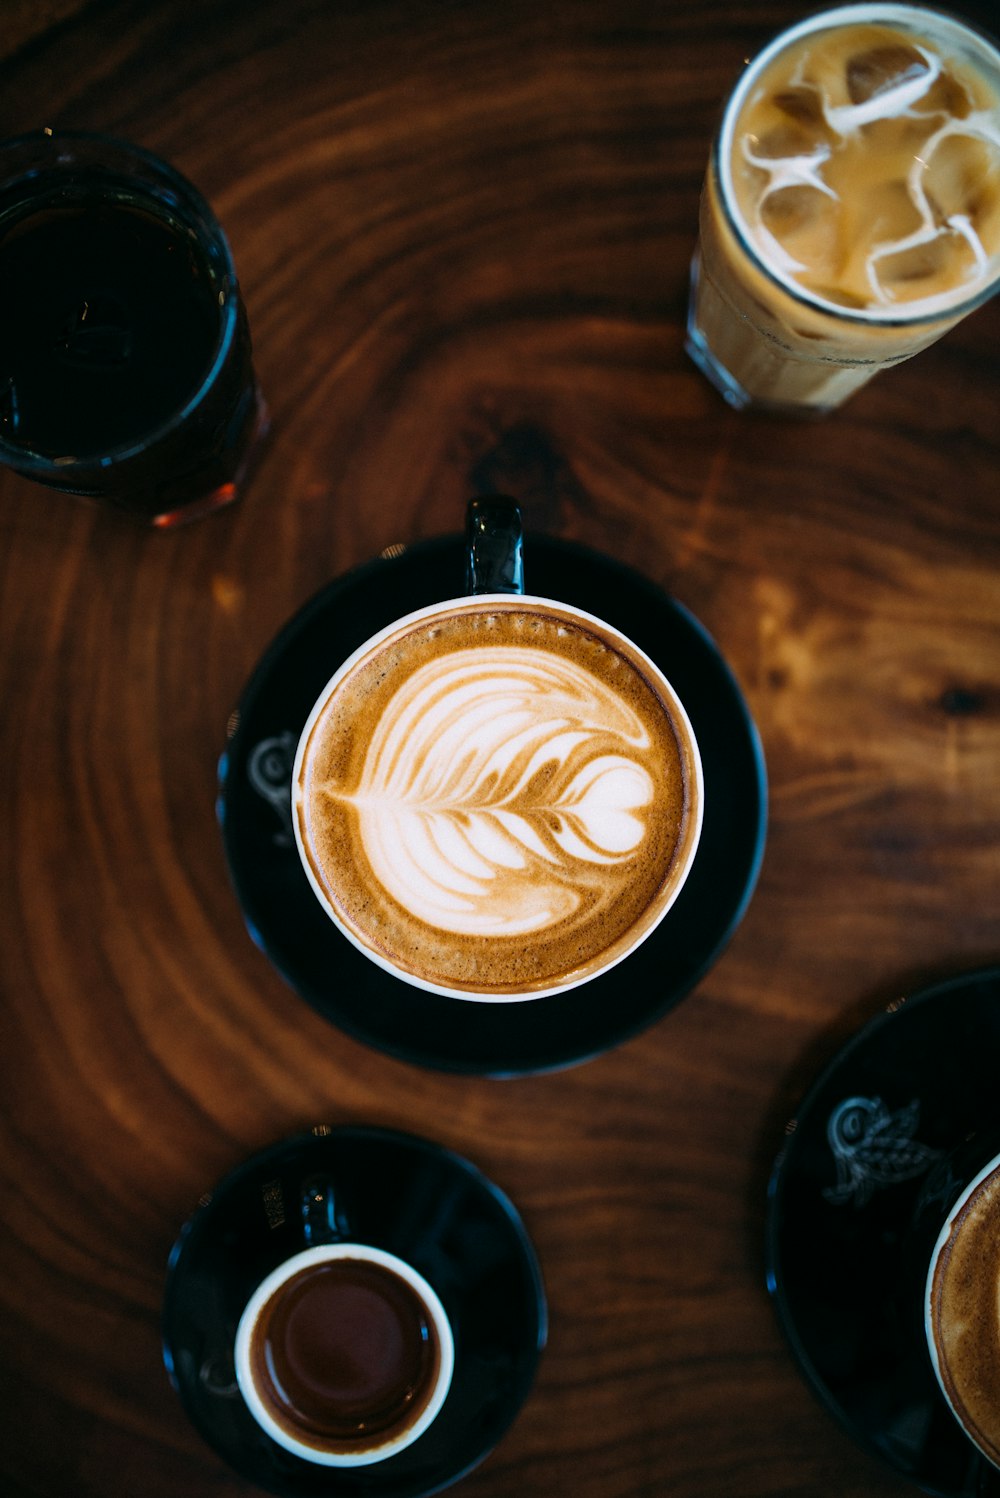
[
  {"x": 322, "y": 1222},
  {"x": 494, "y": 541}
]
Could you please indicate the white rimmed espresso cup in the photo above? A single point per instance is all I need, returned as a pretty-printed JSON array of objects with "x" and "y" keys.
[
  {"x": 601, "y": 806},
  {"x": 962, "y": 1310},
  {"x": 321, "y": 1438}
]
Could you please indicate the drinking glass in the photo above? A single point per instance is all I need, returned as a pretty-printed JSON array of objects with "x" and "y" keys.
[
  {"x": 125, "y": 358},
  {"x": 851, "y": 210}
]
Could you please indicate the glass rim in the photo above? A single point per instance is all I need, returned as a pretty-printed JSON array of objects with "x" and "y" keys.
[
  {"x": 874, "y": 12},
  {"x": 190, "y": 201}
]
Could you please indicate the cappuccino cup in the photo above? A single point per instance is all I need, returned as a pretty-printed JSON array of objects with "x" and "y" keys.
[
  {"x": 499, "y": 796},
  {"x": 344, "y": 1353},
  {"x": 962, "y": 1310}
]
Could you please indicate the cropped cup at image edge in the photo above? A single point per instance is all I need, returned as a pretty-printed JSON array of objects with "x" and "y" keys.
[{"x": 962, "y": 1310}]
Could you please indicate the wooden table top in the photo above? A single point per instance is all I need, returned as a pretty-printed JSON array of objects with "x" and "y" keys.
[{"x": 463, "y": 233}]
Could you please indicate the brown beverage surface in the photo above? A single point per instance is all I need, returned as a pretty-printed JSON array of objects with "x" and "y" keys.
[
  {"x": 866, "y": 167},
  {"x": 345, "y": 1356},
  {"x": 494, "y": 799},
  {"x": 965, "y": 1315}
]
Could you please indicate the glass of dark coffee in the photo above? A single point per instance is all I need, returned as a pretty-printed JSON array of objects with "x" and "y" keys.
[{"x": 125, "y": 359}]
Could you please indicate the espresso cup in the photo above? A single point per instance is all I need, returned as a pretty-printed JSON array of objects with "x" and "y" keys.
[
  {"x": 499, "y": 796},
  {"x": 962, "y": 1309},
  {"x": 344, "y": 1353}
]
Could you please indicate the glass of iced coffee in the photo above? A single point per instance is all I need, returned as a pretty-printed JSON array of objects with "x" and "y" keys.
[{"x": 851, "y": 209}]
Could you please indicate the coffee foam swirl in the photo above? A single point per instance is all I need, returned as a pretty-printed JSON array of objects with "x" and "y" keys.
[
  {"x": 498, "y": 797},
  {"x": 494, "y": 792}
]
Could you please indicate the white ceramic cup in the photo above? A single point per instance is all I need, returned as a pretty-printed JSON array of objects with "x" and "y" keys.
[
  {"x": 382, "y": 1447},
  {"x": 646, "y": 920}
]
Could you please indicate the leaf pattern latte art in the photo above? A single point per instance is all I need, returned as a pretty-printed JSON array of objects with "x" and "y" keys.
[{"x": 502, "y": 790}]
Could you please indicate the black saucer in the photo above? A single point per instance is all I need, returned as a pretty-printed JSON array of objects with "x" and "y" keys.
[
  {"x": 287, "y": 922},
  {"x": 405, "y": 1195},
  {"x": 867, "y": 1157}
]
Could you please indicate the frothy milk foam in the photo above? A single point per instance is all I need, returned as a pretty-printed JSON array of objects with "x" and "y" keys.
[
  {"x": 865, "y": 164},
  {"x": 963, "y": 1310},
  {"x": 447, "y": 812},
  {"x": 496, "y": 797}
]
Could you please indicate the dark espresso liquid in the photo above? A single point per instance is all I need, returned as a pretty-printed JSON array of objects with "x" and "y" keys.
[
  {"x": 345, "y": 1356},
  {"x": 109, "y": 323}
]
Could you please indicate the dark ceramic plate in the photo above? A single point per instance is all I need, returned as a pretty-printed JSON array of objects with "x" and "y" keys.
[
  {"x": 403, "y": 1194},
  {"x": 287, "y": 922},
  {"x": 851, "y": 1225}
]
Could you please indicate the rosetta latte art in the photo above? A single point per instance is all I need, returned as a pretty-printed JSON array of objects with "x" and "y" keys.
[{"x": 498, "y": 797}]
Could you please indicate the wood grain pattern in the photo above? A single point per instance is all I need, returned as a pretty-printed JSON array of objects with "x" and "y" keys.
[
  {"x": 463, "y": 234},
  {"x": 24, "y": 20}
]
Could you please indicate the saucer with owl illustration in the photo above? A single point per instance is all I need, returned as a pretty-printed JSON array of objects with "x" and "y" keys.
[
  {"x": 845, "y": 1268},
  {"x": 360, "y": 997}
]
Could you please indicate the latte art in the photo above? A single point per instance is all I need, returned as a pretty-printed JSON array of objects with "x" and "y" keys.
[
  {"x": 490, "y": 788},
  {"x": 497, "y": 798}
]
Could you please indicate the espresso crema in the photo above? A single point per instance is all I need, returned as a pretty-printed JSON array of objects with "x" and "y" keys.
[
  {"x": 345, "y": 1356},
  {"x": 497, "y": 798}
]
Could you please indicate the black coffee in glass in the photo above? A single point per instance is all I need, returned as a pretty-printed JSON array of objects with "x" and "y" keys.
[{"x": 125, "y": 358}]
